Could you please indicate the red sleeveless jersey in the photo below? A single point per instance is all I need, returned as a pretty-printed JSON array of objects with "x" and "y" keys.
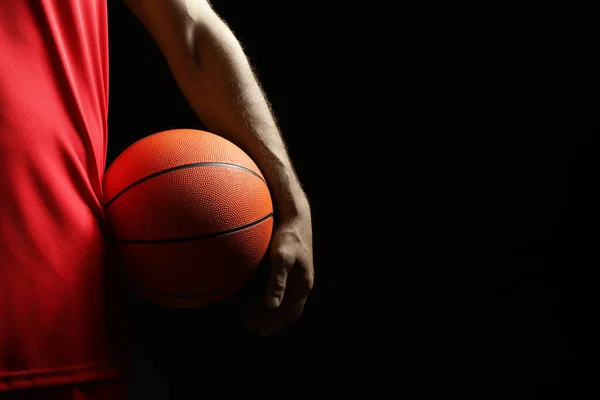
[{"x": 56, "y": 322}]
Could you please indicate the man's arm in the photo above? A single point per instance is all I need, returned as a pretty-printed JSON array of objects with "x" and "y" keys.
[{"x": 214, "y": 75}]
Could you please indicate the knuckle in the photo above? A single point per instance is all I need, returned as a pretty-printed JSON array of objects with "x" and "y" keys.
[
  {"x": 279, "y": 282},
  {"x": 286, "y": 258}
]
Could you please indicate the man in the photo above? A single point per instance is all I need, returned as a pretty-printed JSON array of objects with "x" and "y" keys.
[{"x": 59, "y": 336}]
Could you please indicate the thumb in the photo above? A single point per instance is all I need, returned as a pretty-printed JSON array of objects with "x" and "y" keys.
[{"x": 282, "y": 263}]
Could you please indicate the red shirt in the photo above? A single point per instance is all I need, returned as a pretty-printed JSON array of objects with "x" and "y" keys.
[{"x": 55, "y": 322}]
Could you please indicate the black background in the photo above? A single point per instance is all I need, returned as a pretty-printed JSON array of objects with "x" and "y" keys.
[{"x": 448, "y": 168}]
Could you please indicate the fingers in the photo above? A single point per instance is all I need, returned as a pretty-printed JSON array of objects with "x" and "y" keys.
[
  {"x": 275, "y": 323},
  {"x": 270, "y": 320},
  {"x": 282, "y": 263},
  {"x": 290, "y": 282}
]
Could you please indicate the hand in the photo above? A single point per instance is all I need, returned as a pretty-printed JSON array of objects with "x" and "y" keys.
[{"x": 291, "y": 279}]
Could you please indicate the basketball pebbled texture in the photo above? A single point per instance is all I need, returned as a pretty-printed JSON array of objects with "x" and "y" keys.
[{"x": 190, "y": 216}]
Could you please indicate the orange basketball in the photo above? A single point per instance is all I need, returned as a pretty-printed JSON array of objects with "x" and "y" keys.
[{"x": 190, "y": 216}]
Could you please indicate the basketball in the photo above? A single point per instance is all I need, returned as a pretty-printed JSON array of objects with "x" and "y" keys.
[{"x": 189, "y": 216}]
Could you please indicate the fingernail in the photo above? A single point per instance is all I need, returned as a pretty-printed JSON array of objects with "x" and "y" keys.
[{"x": 273, "y": 302}]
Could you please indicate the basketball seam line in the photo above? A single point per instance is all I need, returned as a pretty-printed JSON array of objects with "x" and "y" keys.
[
  {"x": 197, "y": 237},
  {"x": 193, "y": 165},
  {"x": 143, "y": 140}
]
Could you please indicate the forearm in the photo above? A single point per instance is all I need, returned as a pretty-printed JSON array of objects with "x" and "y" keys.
[{"x": 223, "y": 91}]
